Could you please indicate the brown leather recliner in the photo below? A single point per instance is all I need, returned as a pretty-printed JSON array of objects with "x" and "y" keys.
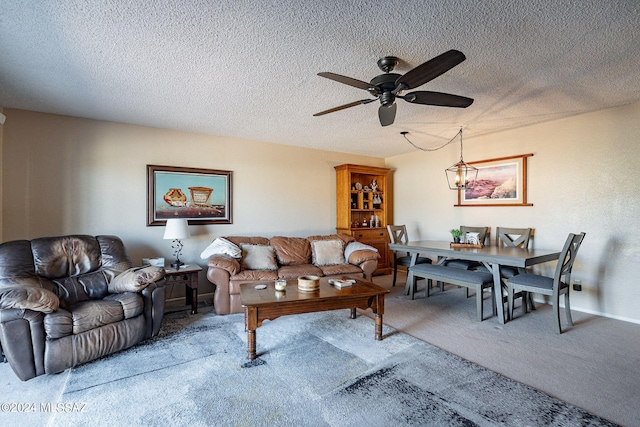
[{"x": 67, "y": 300}]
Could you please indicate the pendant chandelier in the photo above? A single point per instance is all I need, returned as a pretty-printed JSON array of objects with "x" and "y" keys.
[{"x": 461, "y": 175}]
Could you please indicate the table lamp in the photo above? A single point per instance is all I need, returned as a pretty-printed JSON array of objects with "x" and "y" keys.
[{"x": 176, "y": 229}]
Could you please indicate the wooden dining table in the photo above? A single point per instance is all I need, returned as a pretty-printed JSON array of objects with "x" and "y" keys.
[{"x": 492, "y": 257}]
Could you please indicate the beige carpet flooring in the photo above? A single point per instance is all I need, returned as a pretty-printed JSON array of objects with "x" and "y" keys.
[{"x": 595, "y": 365}]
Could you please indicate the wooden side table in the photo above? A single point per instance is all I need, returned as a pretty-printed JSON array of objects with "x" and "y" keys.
[{"x": 187, "y": 275}]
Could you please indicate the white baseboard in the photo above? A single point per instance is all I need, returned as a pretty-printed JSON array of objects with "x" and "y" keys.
[{"x": 594, "y": 312}]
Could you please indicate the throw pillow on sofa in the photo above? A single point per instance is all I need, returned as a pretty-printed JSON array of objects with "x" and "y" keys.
[
  {"x": 258, "y": 257},
  {"x": 291, "y": 250},
  {"x": 327, "y": 252},
  {"x": 221, "y": 246}
]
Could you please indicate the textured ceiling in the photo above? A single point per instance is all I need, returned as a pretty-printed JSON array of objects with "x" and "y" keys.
[{"x": 248, "y": 68}]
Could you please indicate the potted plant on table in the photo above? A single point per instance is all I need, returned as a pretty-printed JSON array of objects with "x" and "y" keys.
[{"x": 456, "y": 234}]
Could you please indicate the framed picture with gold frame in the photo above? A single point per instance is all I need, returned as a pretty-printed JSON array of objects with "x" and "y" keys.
[
  {"x": 500, "y": 182},
  {"x": 203, "y": 196}
]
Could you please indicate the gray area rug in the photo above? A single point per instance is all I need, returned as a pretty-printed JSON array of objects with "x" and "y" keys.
[{"x": 320, "y": 369}]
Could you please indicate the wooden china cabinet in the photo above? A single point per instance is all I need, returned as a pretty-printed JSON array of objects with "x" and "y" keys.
[{"x": 362, "y": 196}]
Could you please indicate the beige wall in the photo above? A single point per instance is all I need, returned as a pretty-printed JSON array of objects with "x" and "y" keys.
[
  {"x": 67, "y": 175},
  {"x": 584, "y": 176}
]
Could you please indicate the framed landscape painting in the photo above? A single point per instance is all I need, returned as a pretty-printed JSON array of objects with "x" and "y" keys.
[
  {"x": 500, "y": 182},
  {"x": 203, "y": 196}
]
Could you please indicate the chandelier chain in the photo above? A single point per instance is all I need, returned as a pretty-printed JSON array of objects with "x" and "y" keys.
[{"x": 404, "y": 134}]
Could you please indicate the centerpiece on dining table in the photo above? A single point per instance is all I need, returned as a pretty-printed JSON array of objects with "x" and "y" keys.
[{"x": 464, "y": 240}]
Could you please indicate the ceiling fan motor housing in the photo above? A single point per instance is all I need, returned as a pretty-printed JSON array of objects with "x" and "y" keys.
[
  {"x": 385, "y": 83},
  {"x": 387, "y": 98}
]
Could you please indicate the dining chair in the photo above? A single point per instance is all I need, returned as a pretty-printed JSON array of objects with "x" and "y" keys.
[
  {"x": 515, "y": 238},
  {"x": 398, "y": 234},
  {"x": 554, "y": 286}
]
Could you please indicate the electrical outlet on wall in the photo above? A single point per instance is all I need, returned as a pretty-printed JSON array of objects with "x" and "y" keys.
[{"x": 577, "y": 285}]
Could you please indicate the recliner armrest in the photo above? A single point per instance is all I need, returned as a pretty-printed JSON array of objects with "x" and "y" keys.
[
  {"x": 22, "y": 332},
  {"x": 360, "y": 256},
  {"x": 154, "y": 299},
  {"x": 28, "y": 297}
]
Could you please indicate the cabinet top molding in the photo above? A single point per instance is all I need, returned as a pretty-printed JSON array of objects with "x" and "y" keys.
[{"x": 369, "y": 170}]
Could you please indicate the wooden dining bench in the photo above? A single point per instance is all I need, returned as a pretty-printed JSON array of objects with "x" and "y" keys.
[{"x": 469, "y": 279}]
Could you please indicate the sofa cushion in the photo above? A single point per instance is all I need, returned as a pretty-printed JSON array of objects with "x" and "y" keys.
[
  {"x": 255, "y": 276},
  {"x": 135, "y": 279},
  {"x": 28, "y": 297},
  {"x": 132, "y": 303},
  {"x": 294, "y": 271},
  {"x": 72, "y": 290},
  {"x": 327, "y": 252},
  {"x": 336, "y": 269},
  {"x": 254, "y": 240},
  {"x": 258, "y": 257},
  {"x": 58, "y": 324},
  {"x": 56, "y": 257},
  {"x": 16, "y": 261},
  {"x": 221, "y": 246},
  {"x": 346, "y": 238},
  {"x": 114, "y": 254},
  {"x": 93, "y": 314},
  {"x": 291, "y": 250}
]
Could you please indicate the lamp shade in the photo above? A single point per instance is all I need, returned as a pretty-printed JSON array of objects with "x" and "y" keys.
[{"x": 176, "y": 228}]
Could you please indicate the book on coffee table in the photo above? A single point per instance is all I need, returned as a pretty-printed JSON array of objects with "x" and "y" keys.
[{"x": 341, "y": 283}]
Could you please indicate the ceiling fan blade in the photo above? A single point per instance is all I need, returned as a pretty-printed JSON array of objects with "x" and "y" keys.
[
  {"x": 429, "y": 70},
  {"x": 437, "y": 98},
  {"x": 342, "y": 107},
  {"x": 347, "y": 80},
  {"x": 387, "y": 114}
]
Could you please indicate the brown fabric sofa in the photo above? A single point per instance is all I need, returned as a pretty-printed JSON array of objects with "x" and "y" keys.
[
  {"x": 67, "y": 300},
  {"x": 293, "y": 257}
]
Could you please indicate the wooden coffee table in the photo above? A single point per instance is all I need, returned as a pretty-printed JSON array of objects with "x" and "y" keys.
[{"x": 267, "y": 304}]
